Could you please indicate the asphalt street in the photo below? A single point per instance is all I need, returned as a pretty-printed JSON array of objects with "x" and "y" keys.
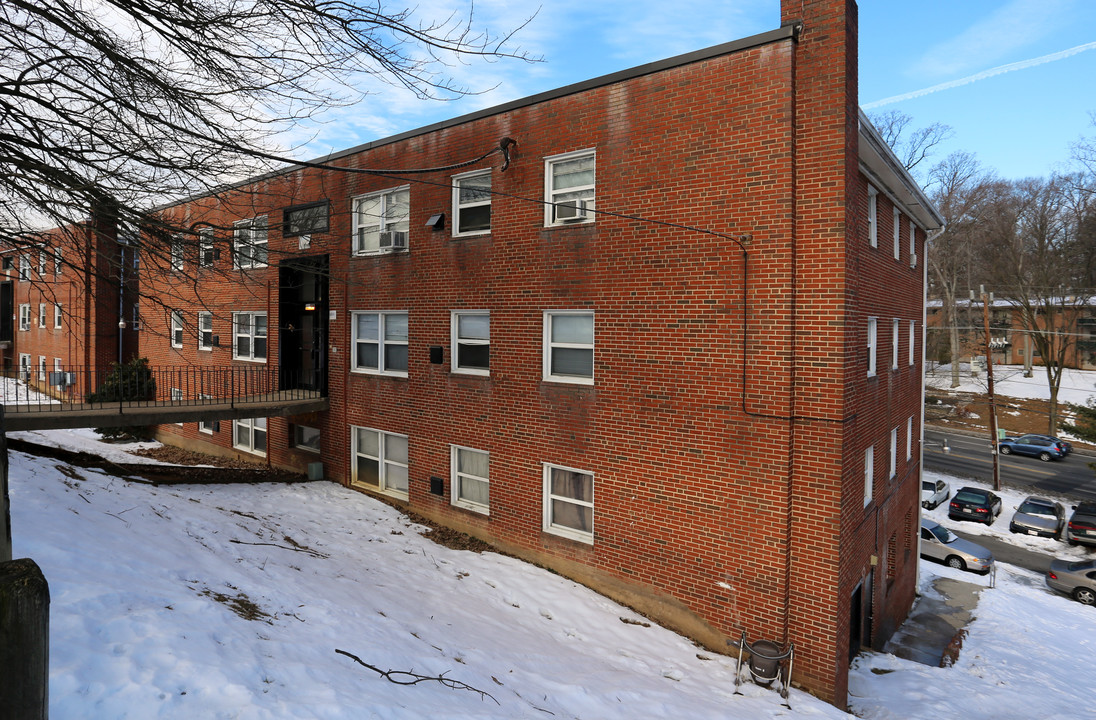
[{"x": 970, "y": 457}]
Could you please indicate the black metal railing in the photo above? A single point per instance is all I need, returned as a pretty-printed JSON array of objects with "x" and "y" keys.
[{"x": 33, "y": 389}]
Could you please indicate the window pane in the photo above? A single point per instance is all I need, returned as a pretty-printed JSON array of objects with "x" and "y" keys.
[
  {"x": 368, "y": 327},
  {"x": 572, "y": 361},
  {"x": 571, "y": 484},
  {"x": 397, "y": 208},
  {"x": 367, "y": 355},
  {"x": 573, "y": 173},
  {"x": 369, "y": 471},
  {"x": 242, "y": 434},
  {"x": 260, "y": 441},
  {"x": 475, "y": 218},
  {"x": 395, "y": 327},
  {"x": 475, "y": 491},
  {"x": 260, "y": 347},
  {"x": 473, "y": 462},
  {"x": 368, "y": 443},
  {"x": 573, "y": 516},
  {"x": 395, "y": 357},
  {"x": 475, "y": 189},
  {"x": 474, "y": 327},
  {"x": 474, "y": 356},
  {"x": 395, "y": 477},
  {"x": 243, "y": 347},
  {"x": 369, "y": 212},
  {"x": 573, "y": 329},
  {"x": 260, "y": 325},
  {"x": 395, "y": 448}
]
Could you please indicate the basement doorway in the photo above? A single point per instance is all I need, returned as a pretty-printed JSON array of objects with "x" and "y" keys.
[
  {"x": 860, "y": 616},
  {"x": 303, "y": 322}
]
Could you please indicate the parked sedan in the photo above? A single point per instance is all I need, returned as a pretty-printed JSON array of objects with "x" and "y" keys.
[
  {"x": 1082, "y": 524},
  {"x": 1041, "y": 446},
  {"x": 1074, "y": 578},
  {"x": 939, "y": 543},
  {"x": 933, "y": 493},
  {"x": 975, "y": 504},
  {"x": 1039, "y": 516}
]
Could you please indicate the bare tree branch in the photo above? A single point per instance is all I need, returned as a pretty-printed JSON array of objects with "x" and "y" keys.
[{"x": 406, "y": 677}]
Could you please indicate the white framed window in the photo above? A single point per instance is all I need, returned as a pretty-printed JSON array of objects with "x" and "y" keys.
[
  {"x": 177, "y": 397},
  {"x": 379, "y": 460},
  {"x": 913, "y": 243},
  {"x": 177, "y": 252},
  {"x": 873, "y": 336},
  {"x": 897, "y": 233},
  {"x": 569, "y": 503},
  {"x": 58, "y": 367},
  {"x": 24, "y": 367},
  {"x": 24, "y": 268},
  {"x": 57, "y": 257},
  {"x": 569, "y": 346},
  {"x": 380, "y": 342},
  {"x": 381, "y": 221},
  {"x": 471, "y": 342},
  {"x": 472, "y": 203},
  {"x": 873, "y": 216},
  {"x": 306, "y": 438},
  {"x": 913, "y": 342},
  {"x": 43, "y": 262},
  {"x": 205, "y": 331},
  {"x": 249, "y": 435},
  {"x": 41, "y": 368},
  {"x": 894, "y": 344},
  {"x": 207, "y": 426},
  {"x": 569, "y": 187},
  {"x": 58, "y": 316},
  {"x": 249, "y": 336},
  {"x": 470, "y": 479},
  {"x": 176, "y": 329},
  {"x": 136, "y": 316},
  {"x": 869, "y": 473},
  {"x": 249, "y": 240},
  {"x": 307, "y": 219},
  {"x": 909, "y": 438},
  {"x": 206, "y": 254},
  {"x": 41, "y": 315},
  {"x": 24, "y": 316},
  {"x": 893, "y": 454}
]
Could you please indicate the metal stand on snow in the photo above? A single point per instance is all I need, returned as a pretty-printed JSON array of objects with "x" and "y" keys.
[{"x": 766, "y": 664}]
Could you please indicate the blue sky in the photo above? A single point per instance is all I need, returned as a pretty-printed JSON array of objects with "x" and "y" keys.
[{"x": 1013, "y": 78}]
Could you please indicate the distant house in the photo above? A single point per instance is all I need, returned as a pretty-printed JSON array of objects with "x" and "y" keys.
[{"x": 660, "y": 331}]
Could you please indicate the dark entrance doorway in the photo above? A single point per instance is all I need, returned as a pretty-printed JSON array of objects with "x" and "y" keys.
[
  {"x": 303, "y": 322},
  {"x": 860, "y": 616}
]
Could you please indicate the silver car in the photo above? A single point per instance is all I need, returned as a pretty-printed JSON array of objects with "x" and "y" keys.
[
  {"x": 1039, "y": 516},
  {"x": 938, "y": 543},
  {"x": 1074, "y": 578}
]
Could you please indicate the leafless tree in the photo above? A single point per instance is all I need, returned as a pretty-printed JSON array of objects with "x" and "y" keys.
[
  {"x": 962, "y": 190},
  {"x": 110, "y": 107},
  {"x": 1040, "y": 251},
  {"x": 912, "y": 145}
]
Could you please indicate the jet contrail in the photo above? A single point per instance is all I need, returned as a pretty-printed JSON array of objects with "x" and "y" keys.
[{"x": 999, "y": 70}]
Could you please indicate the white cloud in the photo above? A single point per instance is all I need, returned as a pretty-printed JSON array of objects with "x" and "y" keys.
[
  {"x": 1014, "y": 26},
  {"x": 999, "y": 70}
]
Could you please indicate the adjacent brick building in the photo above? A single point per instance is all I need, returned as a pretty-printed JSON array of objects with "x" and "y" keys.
[{"x": 664, "y": 336}]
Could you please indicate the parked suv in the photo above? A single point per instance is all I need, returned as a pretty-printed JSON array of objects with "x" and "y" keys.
[
  {"x": 1044, "y": 447},
  {"x": 1082, "y": 524}
]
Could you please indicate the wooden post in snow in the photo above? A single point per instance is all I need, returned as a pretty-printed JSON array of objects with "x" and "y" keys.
[{"x": 24, "y": 641}]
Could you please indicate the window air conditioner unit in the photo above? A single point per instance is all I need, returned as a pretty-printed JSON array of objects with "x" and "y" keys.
[
  {"x": 571, "y": 211},
  {"x": 393, "y": 240}
]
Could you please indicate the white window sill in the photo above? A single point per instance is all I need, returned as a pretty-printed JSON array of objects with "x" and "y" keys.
[
  {"x": 569, "y": 380},
  {"x": 261, "y": 361},
  {"x": 570, "y": 534},
  {"x": 378, "y": 373},
  {"x": 473, "y": 507}
]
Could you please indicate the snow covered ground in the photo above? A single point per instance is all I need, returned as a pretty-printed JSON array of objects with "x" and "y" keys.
[
  {"x": 1077, "y": 386},
  {"x": 230, "y": 601}
]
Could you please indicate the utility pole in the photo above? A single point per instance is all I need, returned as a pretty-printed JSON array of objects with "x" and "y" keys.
[{"x": 986, "y": 302}]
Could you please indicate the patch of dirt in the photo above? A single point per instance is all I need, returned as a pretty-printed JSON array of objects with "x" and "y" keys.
[
  {"x": 179, "y": 456},
  {"x": 969, "y": 411},
  {"x": 240, "y": 604}
]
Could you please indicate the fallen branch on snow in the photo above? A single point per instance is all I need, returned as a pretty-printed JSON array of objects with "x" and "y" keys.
[{"x": 406, "y": 677}]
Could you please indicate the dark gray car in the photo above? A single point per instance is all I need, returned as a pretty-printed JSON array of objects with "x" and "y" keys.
[
  {"x": 1082, "y": 524},
  {"x": 1039, "y": 516},
  {"x": 1074, "y": 578},
  {"x": 938, "y": 543}
]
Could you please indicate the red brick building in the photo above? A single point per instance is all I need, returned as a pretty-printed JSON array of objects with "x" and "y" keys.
[
  {"x": 62, "y": 298},
  {"x": 666, "y": 339}
]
